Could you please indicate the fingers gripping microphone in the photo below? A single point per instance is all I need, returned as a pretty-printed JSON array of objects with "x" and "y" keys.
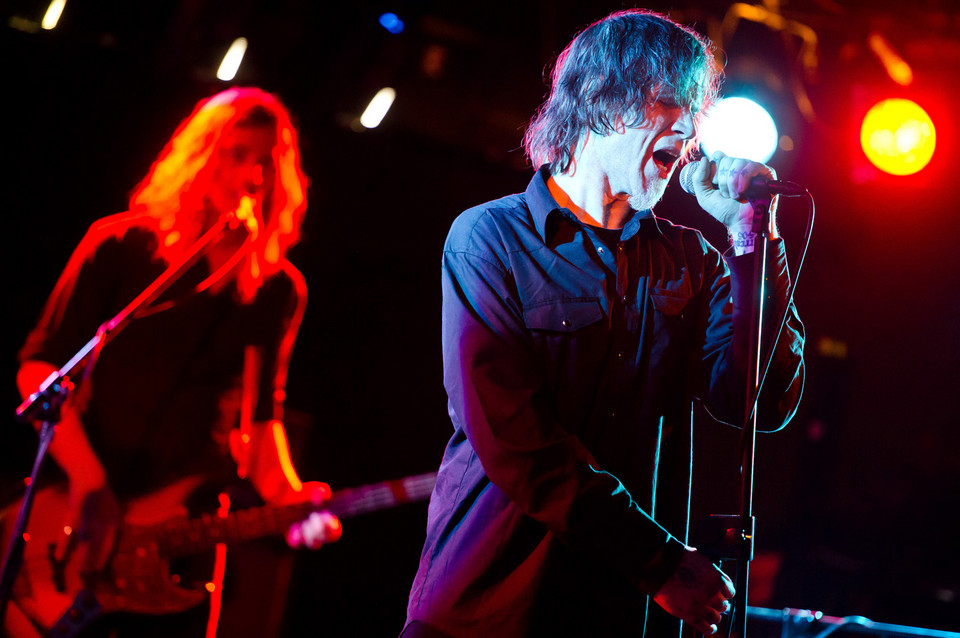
[{"x": 759, "y": 186}]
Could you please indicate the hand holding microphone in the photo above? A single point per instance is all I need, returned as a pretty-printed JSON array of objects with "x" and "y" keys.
[
  {"x": 725, "y": 187},
  {"x": 757, "y": 186}
]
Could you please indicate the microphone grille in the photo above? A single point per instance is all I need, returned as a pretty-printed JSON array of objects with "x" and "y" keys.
[{"x": 686, "y": 178}]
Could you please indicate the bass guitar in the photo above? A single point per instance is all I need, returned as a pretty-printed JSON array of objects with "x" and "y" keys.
[{"x": 58, "y": 599}]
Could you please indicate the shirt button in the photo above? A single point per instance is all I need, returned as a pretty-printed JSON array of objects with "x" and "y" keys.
[
  {"x": 624, "y": 299},
  {"x": 565, "y": 323},
  {"x": 600, "y": 249}
]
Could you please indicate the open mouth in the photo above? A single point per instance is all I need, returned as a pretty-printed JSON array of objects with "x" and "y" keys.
[{"x": 665, "y": 158}]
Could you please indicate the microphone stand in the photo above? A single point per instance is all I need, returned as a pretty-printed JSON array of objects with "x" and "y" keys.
[
  {"x": 732, "y": 536},
  {"x": 745, "y": 537},
  {"x": 44, "y": 404}
]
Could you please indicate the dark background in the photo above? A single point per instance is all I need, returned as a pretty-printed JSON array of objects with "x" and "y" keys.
[{"x": 856, "y": 500}]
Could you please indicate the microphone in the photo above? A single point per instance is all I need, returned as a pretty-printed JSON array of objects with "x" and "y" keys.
[
  {"x": 245, "y": 214},
  {"x": 759, "y": 186}
]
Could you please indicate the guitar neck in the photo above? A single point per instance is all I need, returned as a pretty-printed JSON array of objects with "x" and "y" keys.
[{"x": 185, "y": 537}]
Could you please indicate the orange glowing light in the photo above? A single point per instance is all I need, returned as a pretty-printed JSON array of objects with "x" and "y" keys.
[
  {"x": 898, "y": 137},
  {"x": 895, "y": 66}
]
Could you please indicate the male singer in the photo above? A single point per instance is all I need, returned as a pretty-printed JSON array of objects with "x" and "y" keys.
[{"x": 578, "y": 327}]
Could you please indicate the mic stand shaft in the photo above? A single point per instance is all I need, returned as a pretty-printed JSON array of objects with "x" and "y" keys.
[
  {"x": 44, "y": 404},
  {"x": 745, "y": 537},
  {"x": 13, "y": 558},
  {"x": 731, "y": 537}
]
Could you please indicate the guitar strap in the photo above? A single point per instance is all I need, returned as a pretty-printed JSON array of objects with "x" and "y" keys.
[{"x": 240, "y": 436}]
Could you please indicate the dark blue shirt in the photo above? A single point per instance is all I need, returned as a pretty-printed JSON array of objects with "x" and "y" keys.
[{"x": 570, "y": 363}]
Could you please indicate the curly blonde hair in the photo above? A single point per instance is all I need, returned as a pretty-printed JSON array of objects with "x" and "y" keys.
[{"x": 173, "y": 190}]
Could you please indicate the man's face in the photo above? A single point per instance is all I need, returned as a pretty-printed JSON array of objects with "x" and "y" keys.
[
  {"x": 243, "y": 164},
  {"x": 638, "y": 162}
]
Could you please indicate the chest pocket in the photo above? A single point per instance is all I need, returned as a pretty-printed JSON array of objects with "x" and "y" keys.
[
  {"x": 563, "y": 315},
  {"x": 674, "y": 315},
  {"x": 670, "y": 302}
]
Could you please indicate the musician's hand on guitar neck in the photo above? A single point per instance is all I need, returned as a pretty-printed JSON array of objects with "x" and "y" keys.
[
  {"x": 319, "y": 527},
  {"x": 90, "y": 527},
  {"x": 697, "y": 592}
]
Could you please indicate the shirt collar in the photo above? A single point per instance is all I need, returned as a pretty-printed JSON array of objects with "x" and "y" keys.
[
  {"x": 543, "y": 206},
  {"x": 540, "y": 201}
]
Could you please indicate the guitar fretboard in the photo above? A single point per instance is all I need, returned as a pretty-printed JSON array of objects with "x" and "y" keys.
[{"x": 184, "y": 537}]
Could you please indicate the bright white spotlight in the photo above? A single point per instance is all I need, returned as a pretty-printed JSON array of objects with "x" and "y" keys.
[
  {"x": 52, "y": 16},
  {"x": 378, "y": 107},
  {"x": 232, "y": 59},
  {"x": 740, "y": 128}
]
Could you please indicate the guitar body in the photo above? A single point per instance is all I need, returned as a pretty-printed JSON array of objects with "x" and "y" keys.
[
  {"x": 58, "y": 600},
  {"x": 55, "y": 595}
]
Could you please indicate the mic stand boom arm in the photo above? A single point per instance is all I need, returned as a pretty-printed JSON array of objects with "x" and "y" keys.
[{"x": 44, "y": 404}]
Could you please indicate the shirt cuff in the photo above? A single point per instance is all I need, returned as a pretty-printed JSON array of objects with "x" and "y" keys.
[{"x": 662, "y": 567}]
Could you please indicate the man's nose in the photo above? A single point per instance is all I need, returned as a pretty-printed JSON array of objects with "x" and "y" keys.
[{"x": 684, "y": 125}]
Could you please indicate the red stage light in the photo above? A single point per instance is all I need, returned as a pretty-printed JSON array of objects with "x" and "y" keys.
[{"x": 898, "y": 136}]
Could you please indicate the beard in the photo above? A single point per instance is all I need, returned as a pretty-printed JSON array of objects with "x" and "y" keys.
[{"x": 648, "y": 197}]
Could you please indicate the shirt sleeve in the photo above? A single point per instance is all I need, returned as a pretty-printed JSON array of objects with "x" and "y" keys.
[
  {"x": 498, "y": 397},
  {"x": 89, "y": 291},
  {"x": 726, "y": 345}
]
